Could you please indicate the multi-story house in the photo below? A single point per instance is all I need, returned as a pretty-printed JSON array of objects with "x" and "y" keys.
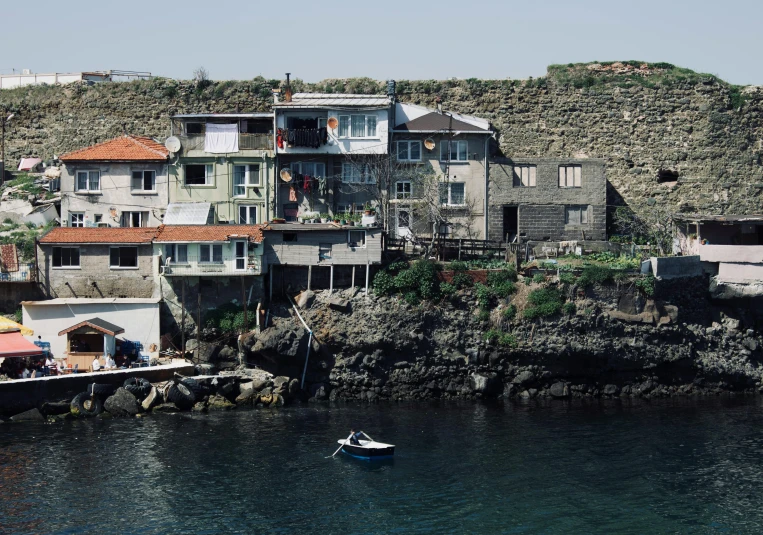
[
  {"x": 328, "y": 146},
  {"x": 442, "y": 150},
  {"x": 223, "y": 169},
  {"x": 118, "y": 183},
  {"x": 547, "y": 199}
]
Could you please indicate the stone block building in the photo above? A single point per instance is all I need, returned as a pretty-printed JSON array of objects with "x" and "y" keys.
[{"x": 547, "y": 199}]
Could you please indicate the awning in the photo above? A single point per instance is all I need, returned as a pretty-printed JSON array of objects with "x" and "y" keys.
[
  {"x": 97, "y": 324},
  {"x": 6, "y": 324},
  {"x": 12, "y": 344}
]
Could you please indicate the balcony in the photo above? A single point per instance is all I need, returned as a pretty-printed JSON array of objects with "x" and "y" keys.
[
  {"x": 226, "y": 268},
  {"x": 22, "y": 273},
  {"x": 245, "y": 142}
]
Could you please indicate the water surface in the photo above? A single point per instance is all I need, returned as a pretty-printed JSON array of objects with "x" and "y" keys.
[{"x": 667, "y": 467}]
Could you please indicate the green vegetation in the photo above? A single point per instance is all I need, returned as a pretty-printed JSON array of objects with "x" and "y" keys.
[
  {"x": 18, "y": 315},
  {"x": 543, "y": 302},
  {"x": 539, "y": 278},
  {"x": 627, "y": 74},
  {"x": 645, "y": 285},
  {"x": 462, "y": 280},
  {"x": 615, "y": 261},
  {"x": 227, "y": 318},
  {"x": 501, "y": 338},
  {"x": 484, "y": 315},
  {"x": 569, "y": 308},
  {"x": 510, "y": 312},
  {"x": 415, "y": 282},
  {"x": 25, "y": 185},
  {"x": 595, "y": 274},
  {"x": 447, "y": 289},
  {"x": 458, "y": 265},
  {"x": 567, "y": 277},
  {"x": 24, "y": 240}
]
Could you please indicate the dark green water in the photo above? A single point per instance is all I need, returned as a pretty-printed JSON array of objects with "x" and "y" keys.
[{"x": 668, "y": 467}]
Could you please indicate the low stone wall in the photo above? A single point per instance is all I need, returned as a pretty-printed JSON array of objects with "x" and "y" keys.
[
  {"x": 675, "y": 267},
  {"x": 13, "y": 293}
]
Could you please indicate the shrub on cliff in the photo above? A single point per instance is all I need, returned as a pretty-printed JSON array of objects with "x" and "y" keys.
[
  {"x": 227, "y": 318},
  {"x": 595, "y": 274},
  {"x": 384, "y": 283},
  {"x": 419, "y": 280},
  {"x": 543, "y": 302}
]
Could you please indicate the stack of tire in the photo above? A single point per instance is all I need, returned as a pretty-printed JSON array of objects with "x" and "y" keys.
[{"x": 138, "y": 387}]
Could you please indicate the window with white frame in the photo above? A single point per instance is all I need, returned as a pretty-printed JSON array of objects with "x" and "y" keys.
[
  {"x": 199, "y": 174},
  {"x": 76, "y": 219},
  {"x": 403, "y": 189},
  {"x": 123, "y": 257},
  {"x": 409, "y": 151},
  {"x": 452, "y": 193},
  {"x": 343, "y": 208},
  {"x": 324, "y": 251},
  {"x": 177, "y": 253},
  {"x": 356, "y": 238},
  {"x": 88, "y": 181},
  {"x": 525, "y": 176},
  {"x": 456, "y": 153},
  {"x": 357, "y": 173},
  {"x": 211, "y": 253},
  {"x": 247, "y": 214},
  {"x": 65, "y": 257},
  {"x": 357, "y": 126},
  {"x": 144, "y": 181},
  {"x": 314, "y": 169},
  {"x": 570, "y": 176},
  {"x": 243, "y": 176},
  {"x": 134, "y": 219},
  {"x": 576, "y": 215}
]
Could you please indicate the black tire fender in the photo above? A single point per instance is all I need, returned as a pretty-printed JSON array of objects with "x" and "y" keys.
[
  {"x": 138, "y": 387},
  {"x": 87, "y": 405},
  {"x": 102, "y": 390},
  {"x": 199, "y": 390},
  {"x": 182, "y": 396}
]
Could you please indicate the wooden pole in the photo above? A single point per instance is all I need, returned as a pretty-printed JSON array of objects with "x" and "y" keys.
[
  {"x": 243, "y": 300},
  {"x": 182, "y": 317}
]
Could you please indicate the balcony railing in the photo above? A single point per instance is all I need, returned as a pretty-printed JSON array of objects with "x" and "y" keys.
[
  {"x": 245, "y": 142},
  {"x": 192, "y": 266},
  {"x": 23, "y": 273}
]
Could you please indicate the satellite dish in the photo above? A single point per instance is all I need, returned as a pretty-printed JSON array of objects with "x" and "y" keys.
[
  {"x": 429, "y": 143},
  {"x": 286, "y": 175},
  {"x": 172, "y": 144},
  {"x": 333, "y": 122}
]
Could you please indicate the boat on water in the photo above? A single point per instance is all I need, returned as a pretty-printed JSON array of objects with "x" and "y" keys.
[{"x": 367, "y": 449}]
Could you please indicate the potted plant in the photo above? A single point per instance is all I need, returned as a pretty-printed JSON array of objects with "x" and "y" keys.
[
  {"x": 278, "y": 220},
  {"x": 369, "y": 210}
]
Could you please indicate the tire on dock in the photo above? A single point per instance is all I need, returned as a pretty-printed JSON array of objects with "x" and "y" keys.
[
  {"x": 199, "y": 390},
  {"x": 181, "y": 396},
  {"x": 101, "y": 390},
  {"x": 87, "y": 405},
  {"x": 138, "y": 387}
]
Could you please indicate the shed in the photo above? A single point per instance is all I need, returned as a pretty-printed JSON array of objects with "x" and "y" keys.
[{"x": 90, "y": 338}]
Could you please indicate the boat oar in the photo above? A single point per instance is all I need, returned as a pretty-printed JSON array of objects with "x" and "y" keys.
[
  {"x": 368, "y": 436},
  {"x": 340, "y": 447}
]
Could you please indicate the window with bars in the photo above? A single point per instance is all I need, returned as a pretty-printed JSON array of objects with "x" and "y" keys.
[
  {"x": 211, "y": 253},
  {"x": 576, "y": 215},
  {"x": 570, "y": 176},
  {"x": 452, "y": 193},
  {"x": 409, "y": 151},
  {"x": 357, "y": 126},
  {"x": 457, "y": 150},
  {"x": 65, "y": 257},
  {"x": 525, "y": 176},
  {"x": 88, "y": 181},
  {"x": 144, "y": 181}
]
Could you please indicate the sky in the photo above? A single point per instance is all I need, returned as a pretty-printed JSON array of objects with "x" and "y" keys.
[{"x": 315, "y": 40}]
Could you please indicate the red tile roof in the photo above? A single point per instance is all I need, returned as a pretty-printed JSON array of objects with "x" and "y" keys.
[
  {"x": 208, "y": 233},
  {"x": 100, "y": 235},
  {"x": 122, "y": 149}
]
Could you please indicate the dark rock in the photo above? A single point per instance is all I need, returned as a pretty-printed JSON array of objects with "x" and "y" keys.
[
  {"x": 294, "y": 388},
  {"x": 318, "y": 391},
  {"x": 122, "y": 403},
  {"x": 218, "y": 403},
  {"x": 32, "y": 415},
  {"x": 485, "y": 383},
  {"x": 610, "y": 390},
  {"x": 153, "y": 398},
  {"x": 559, "y": 390},
  {"x": 523, "y": 377},
  {"x": 166, "y": 407},
  {"x": 305, "y": 299},
  {"x": 199, "y": 407},
  {"x": 55, "y": 407}
]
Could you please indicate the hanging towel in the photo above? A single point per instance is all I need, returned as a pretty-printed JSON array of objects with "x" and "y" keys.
[
  {"x": 322, "y": 189},
  {"x": 221, "y": 138},
  {"x": 292, "y": 194},
  {"x": 306, "y": 187}
]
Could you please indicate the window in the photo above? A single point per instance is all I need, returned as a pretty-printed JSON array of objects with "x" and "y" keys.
[
  {"x": 570, "y": 176},
  {"x": 134, "y": 219},
  {"x": 76, "y": 219},
  {"x": 576, "y": 215},
  {"x": 247, "y": 215},
  {"x": 356, "y": 238},
  {"x": 65, "y": 257},
  {"x": 194, "y": 128},
  {"x": 199, "y": 174},
  {"x": 289, "y": 236},
  {"x": 403, "y": 189},
  {"x": 452, "y": 193},
  {"x": 524, "y": 176},
  {"x": 324, "y": 251},
  {"x": 457, "y": 151},
  {"x": 357, "y": 126},
  {"x": 239, "y": 248},
  {"x": 211, "y": 253},
  {"x": 354, "y": 173},
  {"x": 343, "y": 208},
  {"x": 123, "y": 257},
  {"x": 309, "y": 168},
  {"x": 144, "y": 180},
  {"x": 98, "y": 218},
  {"x": 243, "y": 176},
  {"x": 177, "y": 253},
  {"x": 409, "y": 151},
  {"x": 88, "y": 181}
]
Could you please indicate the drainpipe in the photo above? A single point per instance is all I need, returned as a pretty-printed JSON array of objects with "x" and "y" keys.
[{"x": 487, "y": 184}]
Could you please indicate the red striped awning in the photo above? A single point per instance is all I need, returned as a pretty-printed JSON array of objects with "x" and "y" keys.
[{"x": 12, "y": 344}]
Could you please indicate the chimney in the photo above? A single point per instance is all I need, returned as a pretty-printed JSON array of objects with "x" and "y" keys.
[
  {"x": 391, "y": 86},
  {"x": 439, "y": 105},
  {"x": 287, "y": 93}
]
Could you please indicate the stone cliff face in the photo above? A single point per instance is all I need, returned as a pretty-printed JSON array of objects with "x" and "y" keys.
[
  {"x": 706, "y": 131},
  {"x": 387, "y": 349}
]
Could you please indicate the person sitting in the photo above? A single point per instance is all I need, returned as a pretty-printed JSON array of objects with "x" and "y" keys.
[
  {"x": 96, "y": 364},
  {"x": 355, "y": 437},
  {"x": 110, "y": 363},
  {"x": 25, "y": 373}
]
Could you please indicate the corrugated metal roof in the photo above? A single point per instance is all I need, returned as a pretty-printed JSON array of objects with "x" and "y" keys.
[
  {"x": 338, "y": 100},
  {"x": 187, "y": 213}
]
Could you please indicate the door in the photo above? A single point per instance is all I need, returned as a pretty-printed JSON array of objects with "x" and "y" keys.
[
  {"x": 240, "y": 253},
  {"x": 510, "y": 223},
  {"x": 403, "y": 221}
]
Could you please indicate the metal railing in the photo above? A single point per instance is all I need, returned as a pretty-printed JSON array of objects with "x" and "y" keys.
[
  {"x": 22, "y": 273},
  {"x": 245, "y": 142},
  {"x": 193, "y": 266}
]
